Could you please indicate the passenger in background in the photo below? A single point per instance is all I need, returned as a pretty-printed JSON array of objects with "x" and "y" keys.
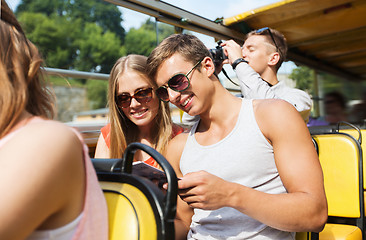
[
  {"x": 256, "y": 65},
  {"x": 135, "y": 113},
  {"x": 358, "y": 111},
  {"x": 48, "y": 185},
  {"x": 335, "y": 108}
]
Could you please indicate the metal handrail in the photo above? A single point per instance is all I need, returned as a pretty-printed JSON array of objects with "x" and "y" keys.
[{"x": 75, "y": 74}]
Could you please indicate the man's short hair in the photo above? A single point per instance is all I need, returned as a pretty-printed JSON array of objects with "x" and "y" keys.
[
  {"x": 279, "y": 38},
  {"x": 189, "y": 46}
]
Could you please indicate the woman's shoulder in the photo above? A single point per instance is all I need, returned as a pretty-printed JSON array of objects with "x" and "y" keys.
[
  {"x": 50, "y": 128},
  {"x": 49, "y": 136}
]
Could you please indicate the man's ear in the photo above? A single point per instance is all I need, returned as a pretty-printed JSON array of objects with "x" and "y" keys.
[
  {"x": 273, "y": 59},
  {"x": 209, "y": 66}
]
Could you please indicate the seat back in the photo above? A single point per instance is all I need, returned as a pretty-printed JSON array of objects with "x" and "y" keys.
[
  {"x": 131, "y": 213},
  {"x": 340, "y": 156},
  {"x": 360, "y": 136},
  {"x": 137, "y": 208}
]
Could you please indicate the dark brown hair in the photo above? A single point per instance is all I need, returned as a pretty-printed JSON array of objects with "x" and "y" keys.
[{"x": 189, "y": 46}]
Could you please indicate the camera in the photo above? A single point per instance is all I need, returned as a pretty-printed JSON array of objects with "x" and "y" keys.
[{"x": 218, "y": 55}]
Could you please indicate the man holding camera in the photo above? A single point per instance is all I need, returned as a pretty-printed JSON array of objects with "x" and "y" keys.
[{"x": 256, "y": 65}]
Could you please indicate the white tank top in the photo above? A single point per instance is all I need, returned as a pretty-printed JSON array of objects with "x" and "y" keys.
[{"x": 244, "y": 156}]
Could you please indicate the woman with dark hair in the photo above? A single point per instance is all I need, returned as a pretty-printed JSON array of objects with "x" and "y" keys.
[{"x": 48, "y": 183}]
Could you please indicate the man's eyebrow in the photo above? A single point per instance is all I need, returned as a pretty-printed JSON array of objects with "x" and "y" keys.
[{"x": 250, "y": 45}]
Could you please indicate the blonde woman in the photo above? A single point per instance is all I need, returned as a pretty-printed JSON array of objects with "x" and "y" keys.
[
  {"x": 136, "y": 114},
  {"x": 48, "y": 184}
]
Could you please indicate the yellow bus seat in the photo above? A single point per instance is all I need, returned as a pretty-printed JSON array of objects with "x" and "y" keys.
[
  {"x": 339, "y": 157},
  {"x": 341, "y": 161},
  {"x": 137, "y": 208},
  {"x": 130, "y": 213},
  {"x": 359, "y": 135},
  {"x": 340, "y": 232}
]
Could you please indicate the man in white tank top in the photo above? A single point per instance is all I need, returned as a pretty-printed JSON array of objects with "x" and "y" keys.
[{"x": 248, "y": 168}]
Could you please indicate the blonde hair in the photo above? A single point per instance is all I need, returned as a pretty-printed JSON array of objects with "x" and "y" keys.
[
  {"x": 124, "y": 131},
  {"x": 21, "y": 80}
]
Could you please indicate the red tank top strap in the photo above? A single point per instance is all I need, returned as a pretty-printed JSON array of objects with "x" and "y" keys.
[{"x": 106, "y": 132}]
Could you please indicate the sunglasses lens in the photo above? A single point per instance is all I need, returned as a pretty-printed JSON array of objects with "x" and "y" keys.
[
  {"x": 143, "y": 96},
  {"x": 123, "y": 100},
  {"x": 162, "y": 93},
  {"x": 179, "y": 82}
]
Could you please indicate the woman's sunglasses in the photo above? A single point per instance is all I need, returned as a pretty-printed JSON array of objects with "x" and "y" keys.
[
  {"x": 142, "y": 96},
  {"x": 178, "y": 83},
  {"x": 261, "y": 30}
]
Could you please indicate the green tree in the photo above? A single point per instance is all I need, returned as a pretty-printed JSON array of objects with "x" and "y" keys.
[
  {"x": 104, "y": 14},
  {"x": 97, "y": 93},
  {"x": 54, "y": 36},
  {"x": 304, "y": 78},
  {"x": 139, "y": 41},
  {"x": 68, "y": 45},
  {"x": 46, "y": 7},
  {"x": 164, "y": 30},
  {"x": 98, "y": 51},
  {"x": 143, "y": 40}
]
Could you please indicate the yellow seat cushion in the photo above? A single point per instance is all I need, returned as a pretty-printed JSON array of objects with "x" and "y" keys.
[
  {"x": 130, "y": 214},
  {"x": 340, "y": 231}
]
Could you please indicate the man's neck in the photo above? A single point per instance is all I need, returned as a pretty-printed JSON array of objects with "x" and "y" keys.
[
  {"x": 270, "y": 77},
  {"x": 223, "y": 103}
]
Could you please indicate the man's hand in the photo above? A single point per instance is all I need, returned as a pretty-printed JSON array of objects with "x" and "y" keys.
[
  {"x": 232, "y": 51},
  {"x": 204, "y": 191}
]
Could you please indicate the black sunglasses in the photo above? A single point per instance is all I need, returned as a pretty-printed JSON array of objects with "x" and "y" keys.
[
  {"x": 259, "y": 31},
  {"x": 141, "y": 95},
  {"x": 178, "y": 83}
]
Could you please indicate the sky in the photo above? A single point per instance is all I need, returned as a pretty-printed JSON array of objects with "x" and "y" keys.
[{"x": 210, "y": 9}]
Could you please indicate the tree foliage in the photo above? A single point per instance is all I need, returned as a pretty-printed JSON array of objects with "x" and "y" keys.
[
  {"x": 54, "y": 36},
  {"x": 143, "y": 40},
  {"x": 97, "y": 93},
  {"x": 46, "y": 7},
  {"x": 104, "y": 14},
  {"x": 83, "y": 35},
  {"x": 304, "y": 78},
  {"x": 98, "y": 50}
]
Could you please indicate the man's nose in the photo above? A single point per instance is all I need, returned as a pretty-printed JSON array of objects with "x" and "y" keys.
[
  {"x": 174, "y": 96},
  {"x": 243, "y": 52}
]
